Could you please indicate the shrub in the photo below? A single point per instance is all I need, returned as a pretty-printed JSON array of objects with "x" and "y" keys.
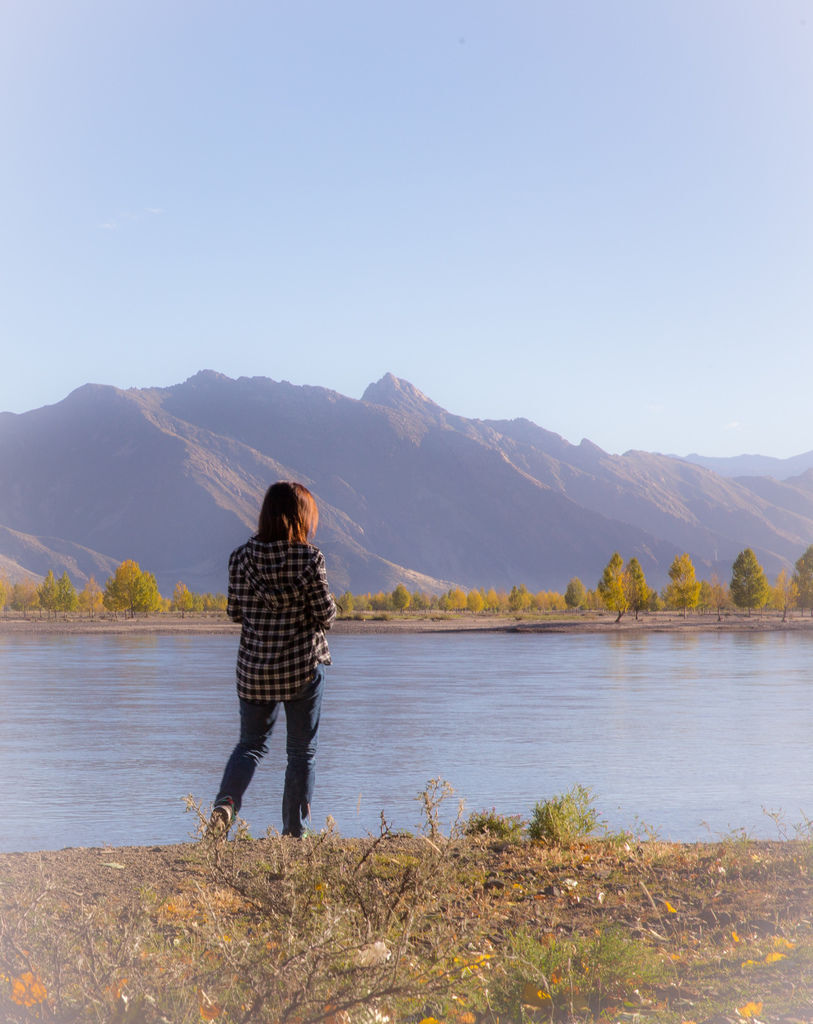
[
  {"x": 555, "y": 974},
  {"x": 490, "y": 823},
  {"x": 565, "y": 818}
]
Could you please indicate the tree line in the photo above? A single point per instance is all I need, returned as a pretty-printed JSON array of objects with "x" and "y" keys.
[
  {"x": 129, "y": 590},
  {"x": 455, "y": 599},
  {"x": 621, "y": 588}
]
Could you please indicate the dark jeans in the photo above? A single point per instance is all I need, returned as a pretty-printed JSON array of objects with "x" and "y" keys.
[{"x": 256, "y": 724}]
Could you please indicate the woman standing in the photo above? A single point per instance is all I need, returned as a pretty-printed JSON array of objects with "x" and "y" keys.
[{"x": 278, "y": 591}]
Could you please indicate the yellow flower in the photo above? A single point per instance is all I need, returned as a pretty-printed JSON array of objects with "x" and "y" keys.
[
  {"x": 533, "y": 995},
  {"x": 28, "y": 990},
  {"x": 749, "y": 1010}
]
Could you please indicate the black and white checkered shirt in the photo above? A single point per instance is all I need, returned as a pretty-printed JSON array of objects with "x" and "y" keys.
[{"x": 279, "y": 592}]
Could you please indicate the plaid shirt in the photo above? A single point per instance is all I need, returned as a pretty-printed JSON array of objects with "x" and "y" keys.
[{"x": 279, "y": 592}]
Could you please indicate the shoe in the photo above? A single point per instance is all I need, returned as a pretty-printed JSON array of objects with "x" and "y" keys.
[{"x": 220, "y": 821}]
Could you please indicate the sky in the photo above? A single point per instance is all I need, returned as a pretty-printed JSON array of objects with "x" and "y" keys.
[{"x": 594, "y": 215}]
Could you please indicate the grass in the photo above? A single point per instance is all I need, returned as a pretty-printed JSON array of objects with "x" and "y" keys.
[
  {"x": 564, "y": 819},
  {"x": 494, "y": 825},
  {"x": 475, "y": 926}
]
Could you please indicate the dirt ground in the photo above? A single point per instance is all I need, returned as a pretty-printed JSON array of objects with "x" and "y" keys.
[{"x": 732, "y": 920}]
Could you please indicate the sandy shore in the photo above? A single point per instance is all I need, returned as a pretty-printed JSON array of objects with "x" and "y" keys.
[{"x": 557, "y": 623}]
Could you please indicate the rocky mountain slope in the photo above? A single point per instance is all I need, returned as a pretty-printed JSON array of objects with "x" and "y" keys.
[{"x": 173, "y": 477}]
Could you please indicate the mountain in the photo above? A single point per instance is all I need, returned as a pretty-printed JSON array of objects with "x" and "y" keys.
[
  {"x": 756, "y": 465},
  {"x": 173, "y": 477}
]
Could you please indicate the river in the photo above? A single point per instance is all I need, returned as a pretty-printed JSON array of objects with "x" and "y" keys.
[{"x": 690, "y": 736}]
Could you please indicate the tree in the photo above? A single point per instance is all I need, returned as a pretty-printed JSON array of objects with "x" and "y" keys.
[
  {"x": 612, "y": 588},
  {"x": 401, "y": 598},
  {"x": 803, "y": 578},
  {"x": 67, "y": 600},
  {"x": 217, "y": 602},
  {"x": 785, "y": 593},
  {"x": 519, "y": 600},
  {"x": 182, "y": 599},
  {"x": 719, "y": 595},
  {"x": 5, "y": 592},
  {"x": 474, "y": 601},
  {"x": 749, "y": 587},
  {"x": 636, "y": 587},
  {"x": 48, "y": 594},
  {"x": 91, "y": 598},
  {"x": 24, "y": 596},
  {"x": 575, "y": 594},
  {"x": 549, "y": 601},
  {"x": 454, "y": 600},
  {"x": 130, "y": 589},
  {"x": 684, "y": 589},
  {"x": 593, "y": 601}
]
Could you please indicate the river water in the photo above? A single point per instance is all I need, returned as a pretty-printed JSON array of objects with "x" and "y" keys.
[{"x": 692, "y": 736}]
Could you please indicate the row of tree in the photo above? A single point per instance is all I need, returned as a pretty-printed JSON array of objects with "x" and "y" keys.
[
  {"x": 622, "y": 588},
  {"x": 454, "y": 599},
  {"x": 129, "y": 590}
]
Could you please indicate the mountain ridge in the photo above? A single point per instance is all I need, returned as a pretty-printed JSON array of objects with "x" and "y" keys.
[{"x": 408, "y": 491}]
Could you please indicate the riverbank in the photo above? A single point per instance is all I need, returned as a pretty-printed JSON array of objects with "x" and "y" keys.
[
  {"x": 435, "y": 622},
  {"x": 475, "y": 930}
]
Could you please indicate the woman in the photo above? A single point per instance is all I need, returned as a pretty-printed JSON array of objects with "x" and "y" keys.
[{"x": 278, "y": 591}]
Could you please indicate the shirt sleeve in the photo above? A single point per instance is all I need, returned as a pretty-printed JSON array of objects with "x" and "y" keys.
[
  {"x": 321, "y": 605},
  {"x": 233, "y": 607}
]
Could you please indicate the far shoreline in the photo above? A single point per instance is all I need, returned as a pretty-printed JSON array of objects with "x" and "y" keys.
[{"x": 555, "y": 623}]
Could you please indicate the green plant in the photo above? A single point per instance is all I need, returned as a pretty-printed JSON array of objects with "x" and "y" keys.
[
  {"x": 564, "y": 818},
  {"x": 574, "y": 973},
  {"x": 490, "y": 823}
]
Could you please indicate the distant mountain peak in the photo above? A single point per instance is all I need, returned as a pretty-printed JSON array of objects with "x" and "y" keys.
[
  {"x": 395, "y": 393},
  {"x": 207, "y": 377}
]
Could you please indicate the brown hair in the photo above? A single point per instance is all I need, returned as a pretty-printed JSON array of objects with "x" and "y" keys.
[{"x": 288, "y": 513}]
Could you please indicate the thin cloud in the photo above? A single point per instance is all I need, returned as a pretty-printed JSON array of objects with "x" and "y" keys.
[
  {"x": 733, "y": 425},
  {"x": 130, "y": 217}
]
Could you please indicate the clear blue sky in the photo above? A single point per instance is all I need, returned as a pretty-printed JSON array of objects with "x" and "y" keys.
[{"x": 595, "y": 215}]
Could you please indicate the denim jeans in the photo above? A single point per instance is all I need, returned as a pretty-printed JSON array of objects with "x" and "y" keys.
[{"x": 302, "y": 725}]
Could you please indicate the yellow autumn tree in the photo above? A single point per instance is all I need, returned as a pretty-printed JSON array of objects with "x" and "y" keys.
[
  {"x": 785, "y": 593},
  {"x": 612, "y": 586},
  {"x": 684, "y": 589},
  {"x": 130, "y": 590},
  {"x": 401, "y": 598},
  {"x": 48, "y": 594},
  {"x": 91, "y": 598},
  {"x": 182, "y": 599},
  {"x": 24, "y": 596}
]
